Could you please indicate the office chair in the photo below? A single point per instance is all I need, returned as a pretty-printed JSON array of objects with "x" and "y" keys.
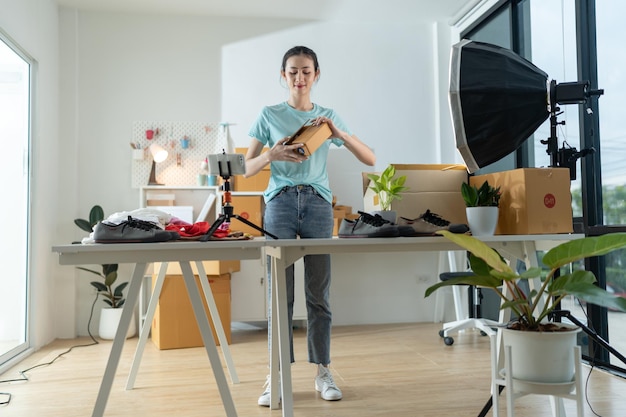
[{"x": 474, "y": 321}]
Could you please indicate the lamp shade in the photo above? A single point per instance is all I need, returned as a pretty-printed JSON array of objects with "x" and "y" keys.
[
  {"x": 497, "y": 100},
  {"x": 159, "y": 154}
]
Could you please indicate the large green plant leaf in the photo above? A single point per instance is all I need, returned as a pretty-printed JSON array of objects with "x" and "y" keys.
[
  {"x": 480, "y": 250},
  {"x": 110, "y": 278},
  {"x": 96, "y": 214},
  {"x": 470, "y": 279},
  {"x": 119, "y": 290},
  {"x": 577, "y": 249}
]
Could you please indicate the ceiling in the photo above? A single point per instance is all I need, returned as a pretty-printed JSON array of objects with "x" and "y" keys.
[{"x": 342, "y": 10}]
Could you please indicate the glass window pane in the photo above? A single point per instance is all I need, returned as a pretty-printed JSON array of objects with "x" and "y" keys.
[
  {"x": 14, "y": 177},
  {"x": 612, "y": 78},
  {"x": 553, "y": 49}
]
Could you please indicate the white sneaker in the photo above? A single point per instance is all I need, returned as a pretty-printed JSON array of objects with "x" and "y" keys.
[
  {"x": 264, "y": 399},
  {"x": 325, "y": 385}
]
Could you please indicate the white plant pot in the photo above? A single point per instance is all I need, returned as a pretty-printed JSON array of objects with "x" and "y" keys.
[
  {"x": 109, "y": 322},
  {"x": 482, "y": 221},
  {"x": 542, "y": 357}
]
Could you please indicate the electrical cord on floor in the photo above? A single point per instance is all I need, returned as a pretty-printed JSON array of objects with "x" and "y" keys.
[
  {"x": 7, "y": 396},
  {"x": 591, "y": 364}
]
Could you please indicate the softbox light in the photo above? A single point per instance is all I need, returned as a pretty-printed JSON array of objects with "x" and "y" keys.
[{"x": 497, "y": 100}]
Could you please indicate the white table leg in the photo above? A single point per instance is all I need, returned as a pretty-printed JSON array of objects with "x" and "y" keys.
[
  {"x": 147, "y": 324},
  {"x": 217, "y": 323},
  {"x": 274, "y": 343},
  {"x": 120, "y": 337},
  {"x": 279, "y": 319},
  {"x": 207, "y": 338}
]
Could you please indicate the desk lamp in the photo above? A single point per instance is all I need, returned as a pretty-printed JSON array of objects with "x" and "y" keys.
[
  {"x": 159, "y": 154},
  {"x": 498, "y": 99}
]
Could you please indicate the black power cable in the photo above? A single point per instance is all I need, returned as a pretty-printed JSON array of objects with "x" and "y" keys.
[{"x": 23, "y": 378}]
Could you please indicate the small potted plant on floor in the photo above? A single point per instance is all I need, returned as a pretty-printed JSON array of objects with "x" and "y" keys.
[
  {"x": 112, "y": 295},
  {"x": 532, "y": 311},
  {"x": 388, "y": 188},
  {"x": 481, "y": 207}
]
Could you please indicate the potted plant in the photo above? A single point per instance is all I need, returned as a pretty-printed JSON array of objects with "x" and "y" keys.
[
  {"x": 388, "y": 188},
  {"x": 112, "y": 295},
  {"x": 532, "y": 311},
  {"x": 481, "y": 207}
]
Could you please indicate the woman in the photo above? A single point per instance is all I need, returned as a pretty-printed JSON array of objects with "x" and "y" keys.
[{"x": 298, "y": 198}]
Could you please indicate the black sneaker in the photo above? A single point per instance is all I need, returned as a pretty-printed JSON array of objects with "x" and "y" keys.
[
  {"x": 368, "y": 225},
  {"x": 429, "y": 223},
  {"x": 131, "y": 231}
]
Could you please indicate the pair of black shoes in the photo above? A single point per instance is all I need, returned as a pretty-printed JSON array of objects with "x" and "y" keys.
[{"x": 132, "y": 231}]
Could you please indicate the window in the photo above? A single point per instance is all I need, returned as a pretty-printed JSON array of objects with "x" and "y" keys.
[
  {"x": 15, "y": 100},
  {"x": 567, "y": 39}
]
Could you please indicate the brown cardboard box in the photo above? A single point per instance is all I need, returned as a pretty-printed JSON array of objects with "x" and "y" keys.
[
  {"x": 174, "y": 325},
  {"x": 250, "y": 207},
  {"x": 533, "y": 200},
  {"x": 434, "y": 187},
  {"x": 256, "y": 182},
  {"x": 210, "y": 267},
  {"x": 311, "y": 137}
]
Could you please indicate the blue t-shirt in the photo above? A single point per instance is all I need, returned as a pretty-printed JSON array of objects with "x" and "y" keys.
[{"x": 281, "y": 120}]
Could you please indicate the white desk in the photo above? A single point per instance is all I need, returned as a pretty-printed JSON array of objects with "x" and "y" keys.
[
  {"x": 141, "y": 254},
  {"x": 285, "y": 252}
]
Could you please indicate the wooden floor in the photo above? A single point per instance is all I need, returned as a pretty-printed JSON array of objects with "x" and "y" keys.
[{"x": 400, "y": 370}]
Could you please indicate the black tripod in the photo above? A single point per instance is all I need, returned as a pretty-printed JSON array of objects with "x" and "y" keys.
[
  {"x": 228, "y": 211},
  {"x": 590, "y": 332}
]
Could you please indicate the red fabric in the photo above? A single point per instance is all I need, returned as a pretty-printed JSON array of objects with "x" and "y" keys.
[
  {"x": 194, "y": 230},
  {"x": 189, "y": 230}
]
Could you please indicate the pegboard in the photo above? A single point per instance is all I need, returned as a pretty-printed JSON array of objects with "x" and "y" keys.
[{"x": 183, "y": 164}]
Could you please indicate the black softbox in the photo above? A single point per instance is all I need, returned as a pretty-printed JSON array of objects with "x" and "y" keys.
[{"x": 497, "y": 99}]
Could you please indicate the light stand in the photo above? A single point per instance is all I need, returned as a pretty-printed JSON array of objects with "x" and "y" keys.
[
  {"x": 566, "y": 93},
  {"x": 227, "y": 207}
]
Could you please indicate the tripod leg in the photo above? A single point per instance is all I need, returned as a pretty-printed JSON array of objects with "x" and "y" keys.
[
  {"x": 254, "y": 226},
  {"x": 217, "y": 223}
]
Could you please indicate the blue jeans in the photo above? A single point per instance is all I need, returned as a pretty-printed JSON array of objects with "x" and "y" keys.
[{"x": 300, "y": 211}]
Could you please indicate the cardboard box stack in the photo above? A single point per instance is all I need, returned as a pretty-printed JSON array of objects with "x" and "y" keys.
[
  {"x": 174, "y": 325},
  {"x": 256, "y": 182},
  {"x": 434, "y": 187},
  {"x": 533, "y": 201}
]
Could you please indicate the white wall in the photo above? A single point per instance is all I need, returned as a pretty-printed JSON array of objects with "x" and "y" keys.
[
  {"x": 33, "y": 24},
  {"x": 118, "y": 68},
  {"x": 378, "y": 77},
  {"x": 99, "y": 72}
]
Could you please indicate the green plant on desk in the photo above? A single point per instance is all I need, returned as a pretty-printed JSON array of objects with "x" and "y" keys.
[
  {"x": 387, "y": 187},
  {"x": 113, "y": 295},
  {"x": 483, "y": 196}
]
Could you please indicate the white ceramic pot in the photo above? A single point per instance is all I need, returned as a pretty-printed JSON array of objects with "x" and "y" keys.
[
  {"x": 543, "y": 357},
  {"x": 482, "y": 221},
  {"x": 109, "y": 322}
]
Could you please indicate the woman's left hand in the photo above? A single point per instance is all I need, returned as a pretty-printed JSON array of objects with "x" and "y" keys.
[{"x": 336, "y": 133}]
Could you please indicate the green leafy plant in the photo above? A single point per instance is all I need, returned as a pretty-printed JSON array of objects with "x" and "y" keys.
[
  {"x": 113, "y": 295},
  {"x": 532, "y": 310},
  {"x": 387, "y": 187},
  {"x": 483, "y": 196}
]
